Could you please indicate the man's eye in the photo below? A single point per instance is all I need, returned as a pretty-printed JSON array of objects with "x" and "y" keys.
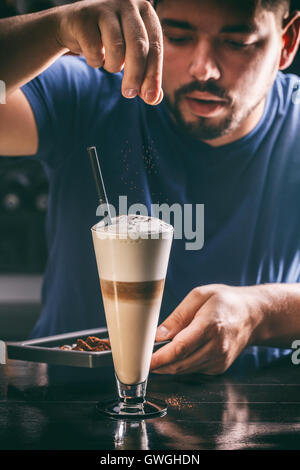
[
  {"x": 237, "y": 45},
  {"x": 180, "y": 40}
]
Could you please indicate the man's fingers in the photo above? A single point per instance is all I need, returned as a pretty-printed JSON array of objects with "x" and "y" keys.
[
  {"x": 203, "y": 361},
  {"x": 183, "y": 313},
  {"x": 91, "y": 44},
  {"x": 188, "y": 340},
  {"x": 121, "y": 34},
  {"x": 151, "y": 87},
  {"x": 113, "y": 41},
  {"x": 197, "y": 361},
  {"x": 137, "y": 47}
]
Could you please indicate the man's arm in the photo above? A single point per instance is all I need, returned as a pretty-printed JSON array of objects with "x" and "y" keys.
[
  {"x": 214, "y": 323},
  {"x": 279, "y": 324},
  {"x": 18, "y": 130},
  {"x": 28, "y": 46},
  {"x": 109, "y": 33}
]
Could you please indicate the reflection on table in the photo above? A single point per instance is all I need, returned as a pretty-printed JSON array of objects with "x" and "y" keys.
[{"x": 256, "y": 411}]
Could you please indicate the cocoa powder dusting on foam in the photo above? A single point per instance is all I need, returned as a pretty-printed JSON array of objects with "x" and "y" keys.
[{"x": 137, "y": 224}]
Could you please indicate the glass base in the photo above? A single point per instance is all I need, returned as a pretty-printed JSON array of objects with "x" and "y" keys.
[{"x": 119, "y": 410}]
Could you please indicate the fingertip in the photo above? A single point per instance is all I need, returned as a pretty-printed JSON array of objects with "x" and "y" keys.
[
  {"x": 130, "y": 92},
  {"x": 162, "y": 333},
  {"x": 160, "y": 98},
  {"x": 94, "y": 62},
  {"x": 152, "y": 99}
]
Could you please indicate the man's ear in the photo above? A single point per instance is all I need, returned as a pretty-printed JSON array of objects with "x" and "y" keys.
[{"x": 290, "y": 40}]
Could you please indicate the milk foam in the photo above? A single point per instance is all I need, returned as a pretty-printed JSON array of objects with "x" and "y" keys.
[
  {"x": 129, "y": 256},
  {"x": 131, "y": 225}
]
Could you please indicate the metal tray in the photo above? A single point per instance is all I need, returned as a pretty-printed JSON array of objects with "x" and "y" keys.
[{"x": 47, "y": 350}]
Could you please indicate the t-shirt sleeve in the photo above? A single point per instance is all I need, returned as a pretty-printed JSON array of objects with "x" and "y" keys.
[{"x": 64, "y": 99}]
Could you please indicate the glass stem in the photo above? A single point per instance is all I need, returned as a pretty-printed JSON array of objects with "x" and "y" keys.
[{"x": 132, "y": 396}]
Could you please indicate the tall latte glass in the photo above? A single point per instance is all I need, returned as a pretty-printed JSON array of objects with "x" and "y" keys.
[{"x": 132, "y": 257}]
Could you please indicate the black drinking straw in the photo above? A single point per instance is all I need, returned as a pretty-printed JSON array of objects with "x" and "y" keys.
[{"x": 99, "y": 179}]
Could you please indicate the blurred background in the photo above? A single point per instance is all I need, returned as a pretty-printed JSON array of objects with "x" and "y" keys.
[{"x": 23, "y": 206}]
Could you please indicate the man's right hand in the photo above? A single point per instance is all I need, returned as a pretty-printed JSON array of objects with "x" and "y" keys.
[
  {"x": 109, "y": 33},
  {"x": 117, "y": 33}
]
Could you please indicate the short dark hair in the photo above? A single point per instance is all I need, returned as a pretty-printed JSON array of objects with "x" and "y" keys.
[{"x": 292, "y": 5}]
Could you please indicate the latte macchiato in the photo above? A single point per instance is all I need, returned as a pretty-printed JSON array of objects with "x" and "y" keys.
[{"x": 132, "y": 257}]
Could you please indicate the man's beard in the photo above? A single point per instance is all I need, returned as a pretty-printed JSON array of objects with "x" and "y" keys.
[{"x": 204, "y": 129}]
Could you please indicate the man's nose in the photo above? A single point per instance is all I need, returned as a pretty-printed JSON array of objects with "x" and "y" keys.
[{"x": 203, "y": 65}]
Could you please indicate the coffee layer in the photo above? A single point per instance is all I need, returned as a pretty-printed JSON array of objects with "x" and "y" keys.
[{"x": 132, "y": 291}]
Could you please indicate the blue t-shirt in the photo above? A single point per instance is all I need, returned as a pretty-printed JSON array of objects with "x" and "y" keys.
[{"x": 250, "y": 190}]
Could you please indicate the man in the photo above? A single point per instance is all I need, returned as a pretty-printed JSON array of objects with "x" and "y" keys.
[{"x": 226, "y": 135}]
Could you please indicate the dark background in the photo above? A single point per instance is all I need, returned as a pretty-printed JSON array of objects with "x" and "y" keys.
[{"x": 23, "y": 206}]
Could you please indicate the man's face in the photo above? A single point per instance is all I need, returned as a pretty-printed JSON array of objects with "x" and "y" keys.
[{"x": 220, "y": 59}]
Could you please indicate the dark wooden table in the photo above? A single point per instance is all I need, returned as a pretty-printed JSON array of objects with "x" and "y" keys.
[{"x": 42, "y": 410}]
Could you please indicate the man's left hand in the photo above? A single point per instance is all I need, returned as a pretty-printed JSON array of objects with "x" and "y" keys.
[{"x": 208, "y": 330}]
